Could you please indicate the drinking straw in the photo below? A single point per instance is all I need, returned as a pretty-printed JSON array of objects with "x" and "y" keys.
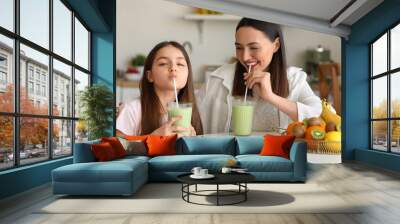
[
  {"x": 245, "y": 93},
  {"x": 176, "y": 94}
]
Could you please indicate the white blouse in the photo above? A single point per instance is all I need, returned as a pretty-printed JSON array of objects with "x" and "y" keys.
[
  {"x": 129, "y": 120},
  {"x": 215, "y": 102}
]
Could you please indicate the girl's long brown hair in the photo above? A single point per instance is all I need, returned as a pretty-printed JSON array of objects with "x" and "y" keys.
[
  {"x": 151, "y": 105},
  {"x": 277, "y": 67}
]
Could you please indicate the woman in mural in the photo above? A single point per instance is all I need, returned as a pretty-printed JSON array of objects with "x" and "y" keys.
[
  {"x": 281, "y": 94},
  {"x": 166, "y": 62}
]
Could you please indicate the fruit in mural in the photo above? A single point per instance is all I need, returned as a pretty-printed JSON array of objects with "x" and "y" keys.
[
  {"x": 322, "y": 134},
  {"x": 296, "y": 128},
  {"x": 315, "y": 133},
  {"x": 330, "y": 126},
  {"x": 314, "y": 121},
  {"x": 329, "y": 115},
  {"x": 333, "y": 136},
  {"x": 299, "y": 131}
]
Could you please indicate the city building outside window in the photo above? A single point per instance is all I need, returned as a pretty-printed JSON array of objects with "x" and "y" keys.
[{"x": 70, "y": 36}]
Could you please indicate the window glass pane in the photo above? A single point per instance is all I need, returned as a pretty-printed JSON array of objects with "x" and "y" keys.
[
  {"x": 379, "y": 97},
  {"x": 32, "y": 61},
  {"x": 7, "y": 14},
  {"x": 379, "y": 135},
  {"x": 62, "y": 141},
  {"x": 33, "y": 139},
  {"x": 379, "y": 55},
  {"x": 62, "y": 89},
  {"x": 81, "y": 45},
  {"x": 6, "y": 74},
  {"x": 395, "y": 47},
  {"x": 395, "y": 94},
  {"x": 35, "y": 21},
  {"x": 62, "y": 29},
  {"x": 395, "y": 136},
  {"x": 6, "y": 142},
  {"x": 81, "y": 81},
  {"x": 81, "y": 131}
]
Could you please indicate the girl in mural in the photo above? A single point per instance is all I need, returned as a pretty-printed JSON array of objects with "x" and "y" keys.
[
  {"x": 281, "y": 94},
  {"x": 166, "y": 62}
]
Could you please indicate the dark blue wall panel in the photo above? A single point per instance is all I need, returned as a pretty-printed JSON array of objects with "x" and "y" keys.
[
  {"x": 355, "y": 62},
  {"x": 24, "y": 178}
]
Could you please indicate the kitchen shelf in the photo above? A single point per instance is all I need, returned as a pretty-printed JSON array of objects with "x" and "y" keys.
[{"x": 200, "y": 18}]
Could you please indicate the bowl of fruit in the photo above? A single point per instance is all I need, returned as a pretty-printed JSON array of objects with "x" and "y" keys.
[{"x": 322, "y": 134}]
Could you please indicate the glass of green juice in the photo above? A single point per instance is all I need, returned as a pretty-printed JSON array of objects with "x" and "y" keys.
[
  {"x": 184, "y": 110},
  {"x": 242, "y": 116}
]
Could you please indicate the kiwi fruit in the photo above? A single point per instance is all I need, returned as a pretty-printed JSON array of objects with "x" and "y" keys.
[
  {"x": 330, "y": 126},
  {"x": 298, "y": 131},
  {"x": 314, "y": 121}
]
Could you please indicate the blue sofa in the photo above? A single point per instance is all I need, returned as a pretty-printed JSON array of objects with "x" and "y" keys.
[{"x": 125, "y": 176}]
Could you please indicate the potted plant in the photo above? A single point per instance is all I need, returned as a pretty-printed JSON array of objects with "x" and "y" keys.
[
  {"x": 97, "y": 104},
  {"x": 135, "y": 68}
]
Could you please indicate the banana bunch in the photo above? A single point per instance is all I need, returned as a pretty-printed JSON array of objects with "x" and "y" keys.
[{"x": 329, "y": 115}]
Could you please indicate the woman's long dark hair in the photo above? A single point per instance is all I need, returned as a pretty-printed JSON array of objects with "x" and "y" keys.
[
  {"x": 151, "y": 105},
  {"x": 277, "y": 67}
]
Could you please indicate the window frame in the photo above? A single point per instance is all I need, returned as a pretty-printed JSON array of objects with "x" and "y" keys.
[
  {"x": 51, "y": 118},
  {"x": 388, "y": 74}
]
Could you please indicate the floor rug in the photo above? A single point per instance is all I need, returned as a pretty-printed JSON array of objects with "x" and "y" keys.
[{"x": 167, "y": 198}]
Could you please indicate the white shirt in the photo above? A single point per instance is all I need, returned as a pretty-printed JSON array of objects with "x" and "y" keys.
[
  {"x": 215, "y": 101},
  {"x": 130, "y": 118}
]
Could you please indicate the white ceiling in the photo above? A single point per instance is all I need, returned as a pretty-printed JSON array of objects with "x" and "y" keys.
[
  {"x": 320, "y": 9},
  {"x": 315, "y": 15}
]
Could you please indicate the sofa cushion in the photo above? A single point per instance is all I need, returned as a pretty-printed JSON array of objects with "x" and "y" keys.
[
  {"x": 130, "y": 158},
  {"x": 249, "y": 144},
  {"x": 206, "y": 145},
  {"x": 134, "y": 147},
  {"x": 185, "y": 163},
  {"x": 116, "y": 145},
  {"x": 111, "y": 171},
  {"x": 103, "y": 152},
  {"x": 277, "y": 145},
  {"x": 161, "y": 145},
  {"x": 257, "y": 163}
]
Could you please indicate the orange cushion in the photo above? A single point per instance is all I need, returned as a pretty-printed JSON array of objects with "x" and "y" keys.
[
  {"x": 136, "y": 137},
  {"x": 116, "y": 145},
  {"x": 275, "y": 145},
  {"x": 103, "y": 151},
  {"x": 161, "y": 145}
]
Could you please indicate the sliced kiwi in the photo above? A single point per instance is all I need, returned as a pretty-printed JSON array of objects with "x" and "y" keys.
[{"x": 317, "y": 134}]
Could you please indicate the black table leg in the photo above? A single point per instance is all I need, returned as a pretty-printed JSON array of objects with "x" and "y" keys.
[
  {"x": 245, "y": 193},
  {"x": 217, "y": 194}
]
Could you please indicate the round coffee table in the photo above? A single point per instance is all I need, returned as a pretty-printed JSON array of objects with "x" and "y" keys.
[{"x": 238, "y": 179}]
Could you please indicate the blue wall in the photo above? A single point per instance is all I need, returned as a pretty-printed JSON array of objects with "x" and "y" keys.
[
  {"x": 24, "y": 178},
  {"x": 104, "y": 51},
  {"x": 100, "y": 17},
  {"x": 355, "y": 82}
]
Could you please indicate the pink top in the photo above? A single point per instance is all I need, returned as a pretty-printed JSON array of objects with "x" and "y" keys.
[{"x": 128, "y": 121}]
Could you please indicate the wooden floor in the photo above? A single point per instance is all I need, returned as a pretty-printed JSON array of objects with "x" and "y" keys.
[{"x": 378, "y": 188}]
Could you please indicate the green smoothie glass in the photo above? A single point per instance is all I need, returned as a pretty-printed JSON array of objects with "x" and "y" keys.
[
  {"x": 184, "y": 110},
  {"x": 242, "y": 117}
]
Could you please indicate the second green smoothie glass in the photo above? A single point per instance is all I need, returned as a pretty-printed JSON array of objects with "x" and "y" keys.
[{"x": 242, "y": 116}]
